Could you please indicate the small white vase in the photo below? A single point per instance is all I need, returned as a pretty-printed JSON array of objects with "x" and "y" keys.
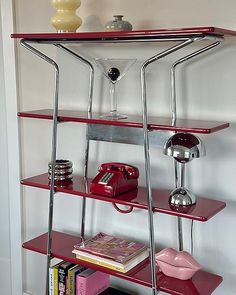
[
  {"x": 118, "y": 24},
  {"x": 65, "y": 19}
]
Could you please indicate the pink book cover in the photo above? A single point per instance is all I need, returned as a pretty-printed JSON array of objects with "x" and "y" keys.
[
  {"x": 111, "y": 247},
  {"x": 91, "y": 282}
]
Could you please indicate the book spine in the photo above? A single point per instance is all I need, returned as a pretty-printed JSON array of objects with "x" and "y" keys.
[
  {"x": 61, "y": 281},
  {"x": 71, "y": 283},
  {"x": 80, "y": 286},
  {"x": 67, "y": 290},
  {"x": 72, "y": 279},
  {"x": 100, "y": 263},
  {"x": 51, "y": 281},
  {"x": 93, "y": 284},
  {"x": 55, "y": 269}
]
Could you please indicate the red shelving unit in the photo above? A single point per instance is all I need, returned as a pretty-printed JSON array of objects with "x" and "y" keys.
[
  {"x": 203, "y": 210},
  {"x": 202, "y": 282},
  {"x": 155, "y": 123}
]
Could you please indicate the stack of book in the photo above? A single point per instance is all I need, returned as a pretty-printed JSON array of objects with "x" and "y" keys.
[
  {"x": 111, "y": 252},
  {"x": 66, "y": 278}
]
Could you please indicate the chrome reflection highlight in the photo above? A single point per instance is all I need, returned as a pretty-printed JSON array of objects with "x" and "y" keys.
[
  {"x": 182, "y": 197},
  {"x": 184, "y": 147}
]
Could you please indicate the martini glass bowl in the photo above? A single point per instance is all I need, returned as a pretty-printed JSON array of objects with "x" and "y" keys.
[{"x": 114, "y": 70}]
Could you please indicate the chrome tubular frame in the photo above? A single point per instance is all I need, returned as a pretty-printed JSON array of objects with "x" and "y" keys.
[
  {"x": 184, "y": 41},
  {"x": 174, "y": 118},
  {"x": 53, "y": 154},
  {"x": 146, "y": 150},
  {"x": 91, "y": 77},
  {"x": 91, "y": 87}
]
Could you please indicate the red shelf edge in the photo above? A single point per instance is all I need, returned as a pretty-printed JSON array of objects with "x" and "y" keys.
[
  {"x": 211, "y": 30},
  {"x": 42, "y": 185},
  {"x": 189, "y": 129},
  {"x": 82, "y": 118}
]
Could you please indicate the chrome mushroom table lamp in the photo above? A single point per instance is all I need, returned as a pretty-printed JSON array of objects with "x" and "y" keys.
[{"x": 183, "y": 147}]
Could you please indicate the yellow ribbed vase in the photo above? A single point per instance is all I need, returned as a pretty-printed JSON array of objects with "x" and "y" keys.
[{"x": 65, "y": 19}]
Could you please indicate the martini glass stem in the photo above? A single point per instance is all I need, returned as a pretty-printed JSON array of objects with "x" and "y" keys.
[{"x": 113, "y": 98}]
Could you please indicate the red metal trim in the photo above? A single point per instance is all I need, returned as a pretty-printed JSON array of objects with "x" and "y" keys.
[{"x": 177, "y": 32}]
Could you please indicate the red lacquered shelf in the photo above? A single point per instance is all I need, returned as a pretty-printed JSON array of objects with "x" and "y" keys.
[
  {"x": 128, "y": 35},
  {"x": 202, "y": 283},
  {"x": 203, "y": 210},
  {"x": 154, "y": 123}
]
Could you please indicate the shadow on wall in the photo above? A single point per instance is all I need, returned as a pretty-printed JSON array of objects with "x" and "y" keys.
[{"x": 92, "y": 23}]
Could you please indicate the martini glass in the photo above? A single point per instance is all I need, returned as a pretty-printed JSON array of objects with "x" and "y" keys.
[{"x": 114, "y": 70}]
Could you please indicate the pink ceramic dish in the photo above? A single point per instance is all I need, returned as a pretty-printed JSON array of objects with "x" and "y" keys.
[{"x": 180, "y": 265}]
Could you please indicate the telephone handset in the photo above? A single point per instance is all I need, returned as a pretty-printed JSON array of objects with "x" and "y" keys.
[{"x": 114, "y": 178}]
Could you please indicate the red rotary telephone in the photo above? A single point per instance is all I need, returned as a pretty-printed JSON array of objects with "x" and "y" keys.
[{"x": 114, "y": 179}]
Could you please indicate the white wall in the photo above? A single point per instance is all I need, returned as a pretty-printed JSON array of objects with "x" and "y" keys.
[
  {"x": 10, "y": 210},
  {"x": 206, "y": 90},
  {"x": 11, "y": 266},
  {"x": 4, "y": 209}
]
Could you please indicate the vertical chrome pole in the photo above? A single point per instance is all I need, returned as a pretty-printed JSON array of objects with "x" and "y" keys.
[
  {"x": 53, "y": 155},
  {"x": 173, "y": 121},
  {"x": 180, "y": 224},
  {"x": 178, "y": 180},
  {"x": 91, "y": 85},
  {"x": 148, "y": 183},
  {"x": 86, "y": 157},
  {"x": 180, "y": 233},
  {"x": 147, "y": 156}
]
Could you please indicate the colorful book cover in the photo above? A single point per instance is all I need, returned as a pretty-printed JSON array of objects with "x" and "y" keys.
[
  {"x": 111, "y": 264},
  {"x": 55, "y": 269},
  {"x": 91, "y": 282},
  {"x": 62, "y": 277},
  {"x": 111, "y": 247},
  {"x": 101, "y": 263},
  {"x": 72, "y": 272}
]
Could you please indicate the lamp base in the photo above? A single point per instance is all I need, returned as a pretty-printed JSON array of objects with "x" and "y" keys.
[{"x": 182, "y": 197}]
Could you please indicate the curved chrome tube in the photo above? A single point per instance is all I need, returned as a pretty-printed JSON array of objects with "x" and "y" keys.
[
  {"x": 146, "y": 150},
  {"x": 88, "y": 63},
  {"x": 173, "y": 71},
  {"x": 53, "y": 154},
  {"x": 174, "y": 118},
  {"x": 91, "y": 85}
]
